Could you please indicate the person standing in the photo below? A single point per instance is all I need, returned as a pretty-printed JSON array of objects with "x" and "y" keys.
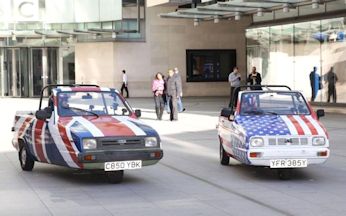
[
  {"x": 174, "y": 92},
  {"x": 180, "y": 102},
  {"x": 158, "y": 88},
  {"x": 234, "y": 79},
  {"x": 125, "y": 85},
  {"x": 254, "y": 79},
  {"x": 315, "y": 83},
  {"x": 332, "y": 78}
]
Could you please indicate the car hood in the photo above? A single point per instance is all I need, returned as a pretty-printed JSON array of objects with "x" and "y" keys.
[
  {"x": 273, "y": 125},
  {"x": 106, "y": 126}
]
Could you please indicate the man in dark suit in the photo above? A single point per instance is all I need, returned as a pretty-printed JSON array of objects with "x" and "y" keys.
[
  {"x": 254, "y": 78},
  {"x": 315, "y": 83},
  {"x": 174, "y": 91}
]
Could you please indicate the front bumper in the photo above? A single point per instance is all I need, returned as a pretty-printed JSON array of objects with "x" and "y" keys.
[
  {"x": 264, "y": 156},
  {"x": 95, "y": 159}
]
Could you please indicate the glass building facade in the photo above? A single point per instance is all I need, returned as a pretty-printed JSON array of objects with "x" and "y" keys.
[
  {"x": 37, "y": 38},
  {"x": 287, "y": 53}
]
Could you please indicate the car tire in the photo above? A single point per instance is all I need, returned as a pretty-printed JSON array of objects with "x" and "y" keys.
[
  {"x": 284, "y": 174},
  {"x": 224, "y": 158},
  {"x": 115, "y": 177},
  {"x": 25, "y": 159}
]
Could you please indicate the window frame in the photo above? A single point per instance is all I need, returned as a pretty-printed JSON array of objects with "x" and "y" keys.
[{"x": 217, "y": 52}]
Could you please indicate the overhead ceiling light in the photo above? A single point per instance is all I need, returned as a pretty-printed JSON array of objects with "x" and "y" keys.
[
  {"x": 315, "y": 4},
  {"x": 195, "y": 22},
  {"x": 216, "y": 19},
  {"x": 259, "y": 12},
  {"x": 286, "y": 8},
  {"x": 70, "y": 39},
  {"x": 237, "y": 16},
  {"x": 14, "y": 37},
  {"x": 114, "y": 35}
]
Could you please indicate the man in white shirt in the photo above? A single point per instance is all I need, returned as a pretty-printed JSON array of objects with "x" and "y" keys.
[
  {"x": 124, "y": 85},
  {"x": 234, "y": 81}
]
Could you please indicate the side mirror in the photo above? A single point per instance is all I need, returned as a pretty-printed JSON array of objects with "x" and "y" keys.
[
  {"x": 124, "y": 111},
  {"x": 226, "y": 112},
  {"x": 138, "y": 113},
  {"x": 320, "y": 113},
  {"x": 43, "y": 115}
]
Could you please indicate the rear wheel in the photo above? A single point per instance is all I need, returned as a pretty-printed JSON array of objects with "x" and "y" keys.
[
  {"x": 115, "y": 177},
  {"x": 224, "y": 158},
  {"x": 25, "y": 159},
  {"x": 284, "y": 174}
]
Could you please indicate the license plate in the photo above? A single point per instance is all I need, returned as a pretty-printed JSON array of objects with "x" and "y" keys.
[
  {"x": 288, "y": 163},
  {"x": 123, "y": 165}
]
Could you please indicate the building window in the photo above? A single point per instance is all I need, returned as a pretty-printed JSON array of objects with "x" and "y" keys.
[
  {"x": 286, "y": 54},
  {"x": 209, "y": 65}
]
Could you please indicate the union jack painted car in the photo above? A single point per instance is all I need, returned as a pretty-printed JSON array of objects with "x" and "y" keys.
[
  {"x": 273, "y": 128},
  {"x": 86, "y": 127}
]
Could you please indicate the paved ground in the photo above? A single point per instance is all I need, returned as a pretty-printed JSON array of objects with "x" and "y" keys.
[{"x": 188, "y": 181}]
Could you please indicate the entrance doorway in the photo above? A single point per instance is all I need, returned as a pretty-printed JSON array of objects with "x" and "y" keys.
[{"x": 25, "y": 71}]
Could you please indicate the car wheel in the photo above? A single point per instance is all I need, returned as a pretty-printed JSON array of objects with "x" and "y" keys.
[
  {"x": 115, "y": 177},
  {"x": 284, "y": 174},
  {"x": 25, "y": 159},
  {"x": 224, "y": 158}
]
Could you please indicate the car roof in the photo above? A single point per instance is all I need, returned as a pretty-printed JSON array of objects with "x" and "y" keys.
[
  {"x": 82, "y": 89},
  {"x": 270, "y": 91}
]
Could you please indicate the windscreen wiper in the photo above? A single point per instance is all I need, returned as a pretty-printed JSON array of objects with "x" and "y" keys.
[
  {"x": 271, "y": 113},
  {"x": 83, "y": 110},
  {"x": 254, "y": 112}
]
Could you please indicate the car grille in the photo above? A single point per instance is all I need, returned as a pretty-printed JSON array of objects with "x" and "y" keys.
[
  {"x": 121, "y": 142},
  {"x": 287, "y": 141}
]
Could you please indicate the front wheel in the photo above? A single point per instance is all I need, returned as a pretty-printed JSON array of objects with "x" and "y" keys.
[
  {"x": 224, "y": 158},
  {"x": 26, "y": 161},
  {"x": 115, "y": 177}
]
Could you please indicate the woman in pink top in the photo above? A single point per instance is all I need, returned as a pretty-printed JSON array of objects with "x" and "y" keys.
[{"x": 157, "y": 88}]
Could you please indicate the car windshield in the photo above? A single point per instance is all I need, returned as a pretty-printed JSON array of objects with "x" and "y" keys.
[
  {"x": 273, "y": 103},
  {"x": 91, "y": 104}
]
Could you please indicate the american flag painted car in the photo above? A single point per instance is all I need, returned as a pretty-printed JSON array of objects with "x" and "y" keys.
[
  {"x": 272, "y": 128},
  {"x": 86, "y": 127}
]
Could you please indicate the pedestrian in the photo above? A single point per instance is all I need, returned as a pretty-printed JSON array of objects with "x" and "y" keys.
[
  {"x": 331, "y": 78},
  {"x": 158, "y": 88},
  {"x": 254, "y": 79},
  {"x": 315, "y": 83},
  {"x": 164, "y": 96},
  {"x": 168, "y": 110},
  {"x": 234, "y": 79},
  {"x": 125, "y": 85},
  {"x": 173, "y": 92},
  {"x": 180, "y": 102}
]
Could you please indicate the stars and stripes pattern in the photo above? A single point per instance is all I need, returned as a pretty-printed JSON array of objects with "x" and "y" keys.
[{"x": 270, "y": 125}]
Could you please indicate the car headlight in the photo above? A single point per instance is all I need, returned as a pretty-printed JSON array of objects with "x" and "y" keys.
[
  {"x": 150, "y": 142},
  {"x": 257, "y": 142},
  {"x": 89, "y": 144},
  {"x": 318, "y": 141}
]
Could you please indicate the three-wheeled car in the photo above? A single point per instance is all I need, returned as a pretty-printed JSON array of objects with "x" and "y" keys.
[
  {"x": 274, "y": 127},
  {"x": 85, "y": 127}
]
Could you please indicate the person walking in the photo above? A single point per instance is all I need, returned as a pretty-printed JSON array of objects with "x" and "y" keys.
[
  {"x": 234, "y": 79},
  {"x": 315, "y": 83},
  {"x": 173, "y": 91},
  {"x": 125, "y": 85},
  {"x": 254, "y": 79},
  {"x": 180, "y": 102},
  {"x": 158, "y": 88},
  {"x": 331, "y": 78}
]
